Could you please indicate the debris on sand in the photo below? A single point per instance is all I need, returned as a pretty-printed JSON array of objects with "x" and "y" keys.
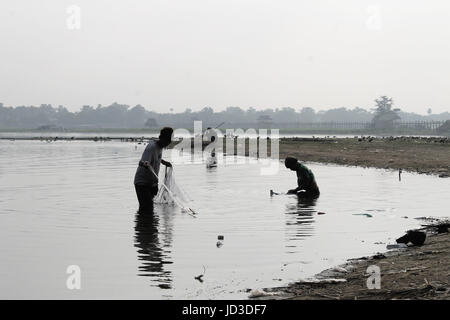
[
  {"x": 443, "y": 228},
  {"x": 258, "y": 293},
  {"x": 396, "y": 246},
  {"x": 339, "y": 269},
  {"x": 379, "y": 256},
  {"x": 420, "y": 272},
  {"x": 417, "y": 238},
  {"x": 439, "y": 226},
  {"x": 322, "y": 281}
]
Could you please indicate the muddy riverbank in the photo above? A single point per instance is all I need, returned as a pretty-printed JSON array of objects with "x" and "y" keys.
[
  {"x": 428, "y": 155},
  {"x": 422, "y": 155},
  {"x": 417, "y": 272},
  {"x": 414, "y": 154}
]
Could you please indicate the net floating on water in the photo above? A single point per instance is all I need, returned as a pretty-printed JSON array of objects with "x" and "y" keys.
[{"x": 176, "y": 194}]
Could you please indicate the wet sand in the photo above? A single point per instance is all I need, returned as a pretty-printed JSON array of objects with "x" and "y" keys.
[
  {"x": 412, "y": 273},
  {"x": 413, "y": 154},
  {"x": 422, "y": 155}
]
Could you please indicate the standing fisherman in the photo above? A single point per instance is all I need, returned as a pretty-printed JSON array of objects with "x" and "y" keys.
[
  {"x": 210, "y": 136},
  {"x": 307, "y": 186},
  {"x": 145, "y": 182}
]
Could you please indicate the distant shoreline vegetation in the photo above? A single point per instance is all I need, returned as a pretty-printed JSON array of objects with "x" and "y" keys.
[
  {"x": 293, "y": 131},
  {"x": 123, "y": 118}
]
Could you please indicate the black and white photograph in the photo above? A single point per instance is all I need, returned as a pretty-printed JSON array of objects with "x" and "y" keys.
[{"x": 250, "y": 151}]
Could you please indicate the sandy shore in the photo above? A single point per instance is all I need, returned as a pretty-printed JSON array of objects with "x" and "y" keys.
[
  {"x": 413, "y": 273},
  {"x": 422, "y": 155},
  {"x": 413, "y": 154}
]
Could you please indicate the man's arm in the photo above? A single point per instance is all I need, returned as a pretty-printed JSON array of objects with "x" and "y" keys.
[
  {"x": 292, "y": 191},
  {"x": 166, "y": 163}
]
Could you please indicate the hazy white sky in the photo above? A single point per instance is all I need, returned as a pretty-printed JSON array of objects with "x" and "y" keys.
[{"x": 248, "y": 53}]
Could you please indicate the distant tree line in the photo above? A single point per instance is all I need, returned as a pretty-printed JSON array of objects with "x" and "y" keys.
[{"x": 123, "y": 116}]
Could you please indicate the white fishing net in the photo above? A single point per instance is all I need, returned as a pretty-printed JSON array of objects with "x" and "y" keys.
[{"x": 169, "y": 192}]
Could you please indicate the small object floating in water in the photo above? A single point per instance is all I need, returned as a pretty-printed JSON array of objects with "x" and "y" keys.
[
  {"x": 320, "y": 212},
  {"x": 363, "y": 214},
  {"x": 273, "y": 193},
  {"x": 219, "y": 243},
  {"x": 200, "y": 277}
]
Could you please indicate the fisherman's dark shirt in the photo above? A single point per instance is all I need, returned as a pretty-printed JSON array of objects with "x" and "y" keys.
[{"x": 306, "y": 179}]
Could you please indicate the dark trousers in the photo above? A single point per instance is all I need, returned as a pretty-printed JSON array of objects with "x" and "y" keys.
[{"x": 145, "y": 195}]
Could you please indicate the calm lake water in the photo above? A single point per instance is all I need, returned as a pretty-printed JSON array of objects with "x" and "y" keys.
[
  {"x": 73, "y": 203},
  {"x": 178, "y": 134}
]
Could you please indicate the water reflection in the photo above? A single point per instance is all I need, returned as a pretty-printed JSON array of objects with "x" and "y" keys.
[
  {"x": 300, "y": 217},
  {"x": 151, "y": 251}
]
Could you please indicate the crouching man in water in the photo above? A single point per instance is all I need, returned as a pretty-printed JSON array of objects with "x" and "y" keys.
[
  {"x": 145, "y": 182},
  {"x": 305, "y": 179}
]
